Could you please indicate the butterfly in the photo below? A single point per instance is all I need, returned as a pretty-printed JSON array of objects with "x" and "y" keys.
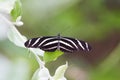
[{"x": 52, "y": 43}]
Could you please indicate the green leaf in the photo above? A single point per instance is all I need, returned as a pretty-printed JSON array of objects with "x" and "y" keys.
[
  {"x": 51, "y": 56},
  {"x": 17, "y": 10}
]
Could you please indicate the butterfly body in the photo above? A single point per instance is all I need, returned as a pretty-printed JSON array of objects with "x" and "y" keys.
[{"x": 52, "y": 43}]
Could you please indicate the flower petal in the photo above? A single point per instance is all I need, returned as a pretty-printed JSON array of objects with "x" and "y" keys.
[
  {"x": 3, "y": 27},
  {"x": 16, "y": 37},
  {"x": 19, "y": 40},
  {"x": 59, "y": 74},
  {"x": 6, "y": 6},
  {"x": 41, "y": 74},
  {"x": 18, "y": 21},
  {"x": 37, "y": 51}
]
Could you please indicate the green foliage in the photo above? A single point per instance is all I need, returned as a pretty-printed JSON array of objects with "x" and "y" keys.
[
  {"x": 17, "y": 10},
  {"x": 108, "y": 69},
  {"x": 52, "y": 56}
]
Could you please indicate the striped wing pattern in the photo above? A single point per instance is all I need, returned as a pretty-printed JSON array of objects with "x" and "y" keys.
[{"x": 53, "y": 43}]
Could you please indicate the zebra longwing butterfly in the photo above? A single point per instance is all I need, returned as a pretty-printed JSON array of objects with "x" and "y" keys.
[{"x": 52, "y": 43}]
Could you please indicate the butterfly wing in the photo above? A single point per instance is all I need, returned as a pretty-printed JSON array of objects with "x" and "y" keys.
[
  {"x": 51, "y": 43},
  {"x": 76, "y": 44},
  {"x": 44, "y": 43}
]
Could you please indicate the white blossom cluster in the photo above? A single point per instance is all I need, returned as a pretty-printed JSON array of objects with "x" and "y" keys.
[{"x": 8, "y": 30}]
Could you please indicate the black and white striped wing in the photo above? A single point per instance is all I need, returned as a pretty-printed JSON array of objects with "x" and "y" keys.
[
  {"x": 44, "y": 43},
  {"x": 52, "y": 43},
  {"x": 71, "y": 45}
]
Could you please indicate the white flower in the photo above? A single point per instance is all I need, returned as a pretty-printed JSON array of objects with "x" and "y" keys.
[
  {"x": 43, "y": 73},
  {"x": 7, "y": 25},
  {"x": 3, "y": 28},
  {"x": 6, "y": 6},
  {"x": 8, "y": 19},
  {"x": 18, "y": 21},
  {"x": 59, "y": 74}
]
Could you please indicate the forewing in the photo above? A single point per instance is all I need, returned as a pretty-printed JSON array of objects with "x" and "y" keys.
[
  {"x": 78, "y": 44},
  {"x": 37, "y": 42}
]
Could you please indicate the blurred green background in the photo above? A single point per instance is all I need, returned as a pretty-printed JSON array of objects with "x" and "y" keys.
[{"x": 94, "y": 21}]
